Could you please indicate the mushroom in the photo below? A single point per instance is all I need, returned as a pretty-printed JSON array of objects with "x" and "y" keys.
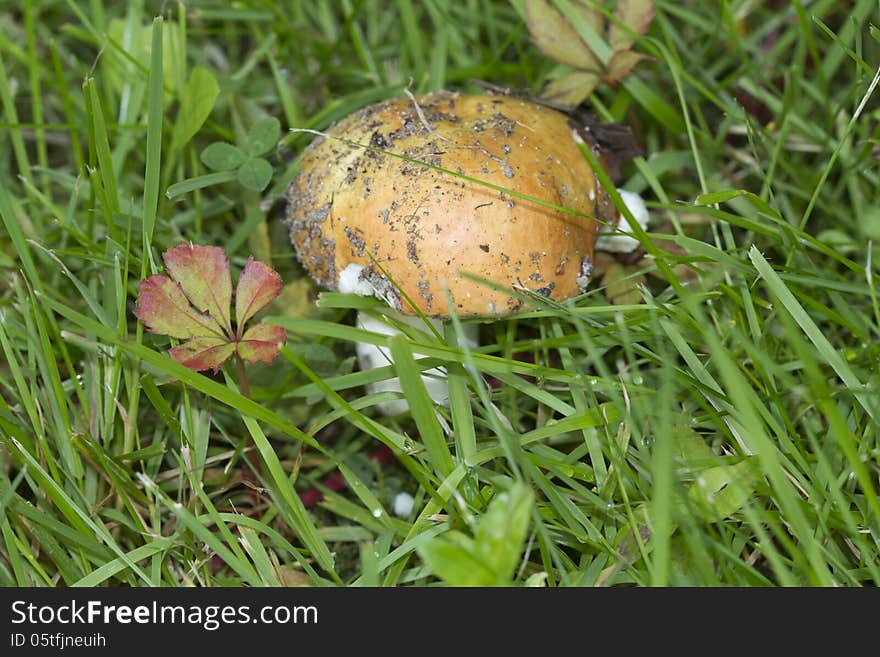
[{"x": 402, "y": 197}]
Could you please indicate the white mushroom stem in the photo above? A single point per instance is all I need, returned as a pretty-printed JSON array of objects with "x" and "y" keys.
[
  {"x": 371, "y": 356},
  {"x": 618, "y": 239}
]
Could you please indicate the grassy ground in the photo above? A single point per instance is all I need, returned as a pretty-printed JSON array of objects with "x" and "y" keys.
[{"x": 720, "y": 428}]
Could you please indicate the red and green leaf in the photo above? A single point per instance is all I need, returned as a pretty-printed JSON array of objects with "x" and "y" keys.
[
  {"x": 261, "y": 343},
  {"x": 203, "y": 353},
  {"x": 203, "y": 274},
  {"x": 193, "y": 305},
  {"x": 257, "y": 286},
  {"x": 163, "y": 307}
]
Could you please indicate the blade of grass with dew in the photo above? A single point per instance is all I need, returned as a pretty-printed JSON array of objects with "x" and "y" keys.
[
  {"x": 80, "y": 519},
  {"x": 278, "y": 541},
  {"x": 296, "y": 515},
  {"x": 365, "y": 495},
  {"x": 829, "y": 354},
  {"x": 199, "y": 182},
  {"x": 13, "y": 553},
  {"x": 200, "y": 530},
  {"x": 259, "y": 556},
  {"x": 487, "y": 363},
  {"x": 391, "y": 438},
  {"x": 11, "y": 115},
  {"x": 115, "y": 566},
  {"x": 99, "y": 145}
]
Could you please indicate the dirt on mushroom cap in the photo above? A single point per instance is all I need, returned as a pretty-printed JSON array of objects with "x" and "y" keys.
[{"x": 424, "y": 227}]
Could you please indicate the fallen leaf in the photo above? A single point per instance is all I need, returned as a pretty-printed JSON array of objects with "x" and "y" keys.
[
  {"x": 296, "y": 298},
  {"x": 203, "y": 274},
  {"x": 259, "y": 242},
  {"x": 621, "y": 64},
  {"x": 621, "y": 283},
  {"x": 556, "y": 38},
  {"x": 261, "y": 343},
  {"x": 193, "y": 305},
  {"x": 637, "y": 16},
  {"x": 571, "y": 89},
  {"x": 570, "y": 37},
  {"x": 257, "y": 286},
  {"x": 163, "y": 308}
]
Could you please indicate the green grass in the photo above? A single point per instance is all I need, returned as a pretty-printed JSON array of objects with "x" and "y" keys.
[{"x": 723, "y": 430}]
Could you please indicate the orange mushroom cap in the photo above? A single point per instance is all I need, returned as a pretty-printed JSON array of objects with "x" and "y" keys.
[{"x": 355, "y": 204}]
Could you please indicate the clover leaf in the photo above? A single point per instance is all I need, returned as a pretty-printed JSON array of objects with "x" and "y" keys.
[{"x": 252, "y": 169}]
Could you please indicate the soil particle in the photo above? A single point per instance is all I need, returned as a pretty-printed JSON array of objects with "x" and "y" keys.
[
  {"x": 384, "y": 289},
  {"x": 423, "y": 292},
  {"x": 357, "y": 242},
  {"x": 560, "y": 268},
  {"x": 378, "y": 140},
  {"x": 546, "y": 291},
  {"x": 497, "y": 121},
  {"x": 583, "y": 280}
]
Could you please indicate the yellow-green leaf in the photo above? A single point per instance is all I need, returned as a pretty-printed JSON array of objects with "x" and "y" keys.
[
  {"x": 258, "y": 284},
  {"x": 203, "y": 274},
  {"x": 502, "y": 531},
  {"x": 636, "y": 15},
  {"x": 621, "y": 64},
  {"x": 555, "y": 36},
  {"x": 621, "y": 284},
  {"x": 721, "y": 491},
  {"x": 571, "y": 89},
  {"x": 196, "y": 103}
]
